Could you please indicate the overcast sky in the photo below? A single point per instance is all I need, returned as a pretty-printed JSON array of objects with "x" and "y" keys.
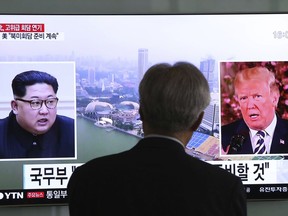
[{"x": 168, "y": 38}]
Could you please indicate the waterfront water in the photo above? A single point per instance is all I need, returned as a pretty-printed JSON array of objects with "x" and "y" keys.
[{"x": 93, "y": 141}]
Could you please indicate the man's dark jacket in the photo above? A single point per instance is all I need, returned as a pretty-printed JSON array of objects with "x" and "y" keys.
[
  {"x": 15, "y": 142},
  {"x": 156, "y": 177}
]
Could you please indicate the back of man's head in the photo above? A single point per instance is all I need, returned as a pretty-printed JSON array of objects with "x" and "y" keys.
[
  {"x": 29, "y": 78},
  {"x": 173, "y": 96}
]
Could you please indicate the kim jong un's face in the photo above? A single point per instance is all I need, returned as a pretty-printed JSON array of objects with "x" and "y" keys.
[{"x": 36, "y": 111}]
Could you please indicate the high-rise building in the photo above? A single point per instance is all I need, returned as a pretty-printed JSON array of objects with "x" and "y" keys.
[
  {"x": 142, "y": 63},
  {"x": 91, "y": 76},
  {"x": 207, "y": 68},
  {"x": 211, "y": 118}
]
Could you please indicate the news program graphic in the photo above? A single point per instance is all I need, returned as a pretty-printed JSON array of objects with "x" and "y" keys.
[{"x": 27, "y": 32}]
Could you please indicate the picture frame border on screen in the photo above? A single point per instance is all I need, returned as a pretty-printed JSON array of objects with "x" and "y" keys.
[
  {"x": 242, "y": 156},
  {"x": 36, "y": 65}
]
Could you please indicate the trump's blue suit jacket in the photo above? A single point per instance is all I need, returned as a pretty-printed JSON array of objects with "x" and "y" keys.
[{"x": 279, "y": 142}]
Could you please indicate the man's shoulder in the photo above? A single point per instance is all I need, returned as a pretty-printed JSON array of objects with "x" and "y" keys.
[
  {"x": 4, "y": 121},
  {"x": 108, "y": 159},
  {"x": 64, "y": 120},
  {"x": 233, "y": 125},
  {"x": 281, "y": 128},
  {"x": 283, "y": 121},
  {"x": 214, "y": 171},
  {"x": 4, "y": 125},
  {"x": 102, "y": 164}
]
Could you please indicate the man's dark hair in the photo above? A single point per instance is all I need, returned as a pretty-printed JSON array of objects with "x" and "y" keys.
[{"x": 29, "y": 78}]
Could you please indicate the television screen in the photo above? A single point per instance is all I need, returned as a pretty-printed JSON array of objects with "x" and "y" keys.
[{"x": 92, "y": 110}]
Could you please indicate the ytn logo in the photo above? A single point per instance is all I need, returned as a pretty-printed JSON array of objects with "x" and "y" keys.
[{"x": 11, "y": 195}]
